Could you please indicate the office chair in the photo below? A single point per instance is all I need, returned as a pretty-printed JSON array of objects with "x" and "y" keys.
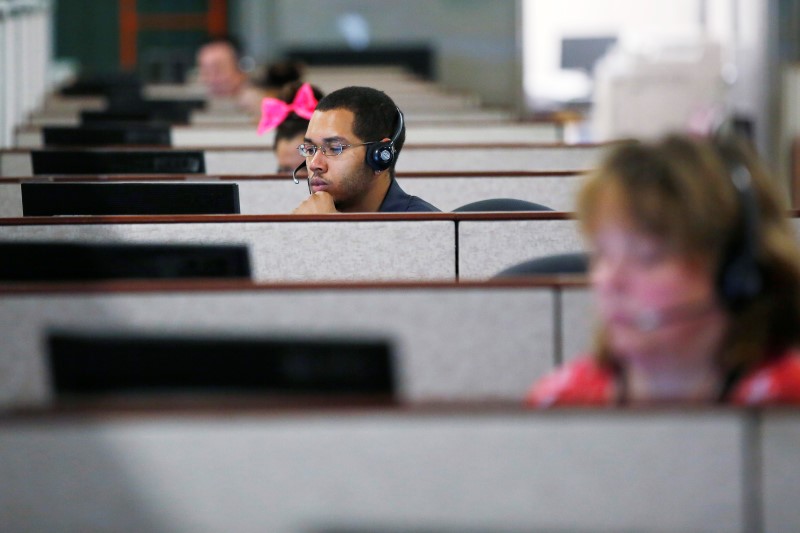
[
  {"x": 566, "y": 263},
  {"x": 501, "y": 204}
]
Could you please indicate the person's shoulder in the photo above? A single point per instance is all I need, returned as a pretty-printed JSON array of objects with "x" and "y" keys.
[
  {"x": 775, "y": 381},
  {"x": 399, "y": 201},
  {"x": 580, "y": 382},
  {"x": 417, "y": 204}
]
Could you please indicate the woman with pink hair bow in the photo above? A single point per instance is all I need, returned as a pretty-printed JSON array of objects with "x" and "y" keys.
[{"x": 289, "y": 116}]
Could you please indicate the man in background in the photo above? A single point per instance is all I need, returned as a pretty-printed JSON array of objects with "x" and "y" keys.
[
  {"x": 350, "y": 148},
  {"x": 219, "y": 68}
]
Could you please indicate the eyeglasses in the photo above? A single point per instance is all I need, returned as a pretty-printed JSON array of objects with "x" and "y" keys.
[{"x": 332, "y": 149}]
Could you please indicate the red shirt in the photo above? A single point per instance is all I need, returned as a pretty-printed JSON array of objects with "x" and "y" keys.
[{"x": 585, "y": 382}]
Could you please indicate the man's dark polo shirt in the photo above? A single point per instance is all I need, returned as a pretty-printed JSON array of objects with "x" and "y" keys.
[{"x": 398, "y": 201}]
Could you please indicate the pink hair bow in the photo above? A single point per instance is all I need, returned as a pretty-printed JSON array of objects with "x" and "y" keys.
[{"x": 275, "y": 111}]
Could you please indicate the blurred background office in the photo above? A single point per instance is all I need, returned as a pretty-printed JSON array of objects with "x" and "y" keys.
[{"x": 620, "y": 67}]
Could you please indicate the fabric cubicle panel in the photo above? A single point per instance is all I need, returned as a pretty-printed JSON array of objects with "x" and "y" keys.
[
  {"x": 780, "y": 468},
  {"x": 485, "y": 247},
  {"x": 433, "y": 159},
  {"x": 666, "y": 472},
  {"x": 448, "y": 193},
  {"x": 451, "y": 342},
  {"x": 294, "y": 251},
  {"x": 14, "y": 163}
]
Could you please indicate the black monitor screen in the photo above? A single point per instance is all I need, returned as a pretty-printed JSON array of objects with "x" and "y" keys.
[
  {"x": 102, "y": 135},
  {"x": 105, "y": 85},
  {"x": 168, "y": 115},
  {"x": 91, "y": 162},
  {"x": 60, "y": 261},
  {"x": 132, "y": 363},
  {"x": 49, "y": 199}
]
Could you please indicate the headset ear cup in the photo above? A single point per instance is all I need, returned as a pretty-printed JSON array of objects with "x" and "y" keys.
[
  {"x": 739, "y": 280},
  {"x": 381, "y": 156}
]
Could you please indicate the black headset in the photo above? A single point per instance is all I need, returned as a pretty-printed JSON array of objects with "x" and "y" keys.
[
  {"x": 740, "y": 277},
  {"x": 381, "y": 154}
]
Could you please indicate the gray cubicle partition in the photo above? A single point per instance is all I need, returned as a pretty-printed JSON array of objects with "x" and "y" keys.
[
  {"x": 462, "y": 469},
  {"x": 487, "y": 246},
  {"x": 429, "y": 246},
  {"x": 16, "y": 162},
  {"x": 436, "y": 158},
  {"x": 413, "y": 158},
  {"x": 389, "y": 246},
  {"x": 452, "y": 341},
  {"x": 282, "y": 248},
  {"x": 780, "y": 464},
  {"x": 260, "y": 195},
  {"x": 245, "y": 135}
]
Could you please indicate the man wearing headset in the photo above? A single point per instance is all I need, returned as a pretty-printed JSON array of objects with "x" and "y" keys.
[{"x": 351, "y": 147}]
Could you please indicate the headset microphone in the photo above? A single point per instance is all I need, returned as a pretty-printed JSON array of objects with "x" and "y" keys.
[
  {"x": 652, "y": 319},
  {"x": 295, "y": 171}
]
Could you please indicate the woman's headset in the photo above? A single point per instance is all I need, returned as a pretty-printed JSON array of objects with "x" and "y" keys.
[{"x": 740, "y": 277}]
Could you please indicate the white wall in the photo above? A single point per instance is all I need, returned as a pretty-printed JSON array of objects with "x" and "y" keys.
[
  {"x": 546, "y": 23},
  {"x": 740, "y": 26},
  {"x": 475, "y": 40}
]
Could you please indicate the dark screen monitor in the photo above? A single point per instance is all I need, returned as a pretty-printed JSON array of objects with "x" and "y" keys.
[
  {"x": 581, "y": 53},
  {"x": 107, "y": 134},
  {"x": 88, "y": 162},
  {"x": 51, "y": 199},
  {"x": 137, "y": 114},
  {"x": 110, "y": 85},
  {"x": 61, "y": 262},
  {"x": 158, "y": 104},
  {"x": 91, "y": 364}
]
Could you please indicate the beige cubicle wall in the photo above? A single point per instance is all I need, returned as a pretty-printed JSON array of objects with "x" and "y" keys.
[
  {"x": 487, "y": 246},
  {"x": 15, "y": 162},
  {"x": 437, "y": 158},
  {"x": 388, "y": 246},
  {"x": 271, "y": 194},
  {"x": 451, "y": 341},
  {"x": 457, "y": 469},
  {"x": 413, "y": 158},
  {"x": 780, "y": 464},
  {"x": 420, "y": 133},
  {"x": 71, "y": 117},
  {"x": 433, "y": 158},
  {"x": 282, "y": 248}
]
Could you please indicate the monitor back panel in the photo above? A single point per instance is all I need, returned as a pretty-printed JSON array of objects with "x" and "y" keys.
[
  {"x": 54, "y": 162},
  {"x": 60, "y": 261},
  {"x": 49, "y": 199}
]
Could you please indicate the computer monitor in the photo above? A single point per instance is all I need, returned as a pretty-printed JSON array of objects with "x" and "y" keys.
[
  {"x": 81, "y": 198},
  {"x": 107, "y": 135},
  {"x": 144, "y": 115},
  {"x": 56, "y": 261},
  {"x": 88, "y": 162},
  {"x": 108, "y": 85},
  {"x": 581, "y": 53},
  {"x": 92, "y": 364}
]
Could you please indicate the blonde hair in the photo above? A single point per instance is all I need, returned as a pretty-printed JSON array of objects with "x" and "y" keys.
[{"x": 679, "y": 190}]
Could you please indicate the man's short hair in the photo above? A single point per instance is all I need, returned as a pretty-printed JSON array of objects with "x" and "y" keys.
[{"x": 375, "y": 114}]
